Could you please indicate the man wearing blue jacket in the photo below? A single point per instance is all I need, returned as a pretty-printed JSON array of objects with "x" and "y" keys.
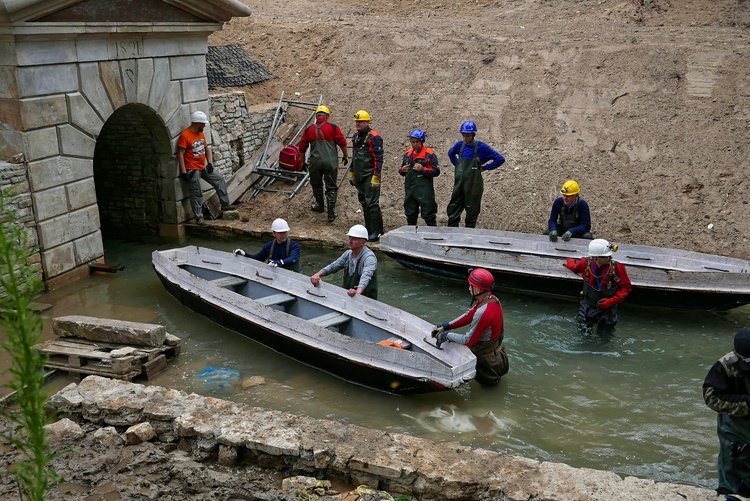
[
  {"x": 470, "y": 157},
  {"x": 570, "y": 216},
  {"x": 281, "y": 251}
]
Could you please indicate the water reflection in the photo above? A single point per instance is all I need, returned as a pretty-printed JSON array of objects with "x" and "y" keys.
[{"x": 632, "y": 405}]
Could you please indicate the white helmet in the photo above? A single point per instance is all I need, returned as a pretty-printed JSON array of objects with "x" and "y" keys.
[
  {"x": 279, "y": 225},
  {"x": 199, "y": 117},
  {"x": 358, "y": 231},
  {"x": 601, "y": 248}
]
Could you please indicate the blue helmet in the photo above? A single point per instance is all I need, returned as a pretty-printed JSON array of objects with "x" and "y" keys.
[
  {"x": 418, "y": 134},
  {"x": 468, "y": 127}
]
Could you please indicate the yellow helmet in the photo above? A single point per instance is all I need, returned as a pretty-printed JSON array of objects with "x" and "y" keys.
[
  {"x": 362, "y": 116},
  {"x": 570, "y": 188},
  {"x": 323, "y": 109}
]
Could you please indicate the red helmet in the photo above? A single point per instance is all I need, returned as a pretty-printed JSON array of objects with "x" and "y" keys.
[{"x": 481, "y": 278}]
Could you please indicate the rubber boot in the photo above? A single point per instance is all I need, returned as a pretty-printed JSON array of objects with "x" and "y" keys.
[
  {"x": 318, "y": 206},
  {"x": 368, "y": 223},
  {"x": 376, "y": 219},
  {"x": 331, "y": 200}
]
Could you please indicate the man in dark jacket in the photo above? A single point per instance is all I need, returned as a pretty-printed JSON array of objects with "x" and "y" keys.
[
  {"x": 419, "y": 167},
  {"x": 570, "y": 216},
  {"x": 726, "y": 390},
  {"x": 365, "y": 171},
  {"x": 281, "y": 251}
]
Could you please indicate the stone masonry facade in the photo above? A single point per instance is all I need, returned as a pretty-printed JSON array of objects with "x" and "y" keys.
[{"x": 61, "y": 83}]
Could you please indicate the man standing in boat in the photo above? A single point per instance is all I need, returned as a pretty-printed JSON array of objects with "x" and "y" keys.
[
  {"x": 726, "y": 390},
  {"x": 281, "y": 251},
  {"x": 359, "y": 263},
  {"x": 486, "y": 331},
  {"x": 605, "y": 285},
  {"x": 471, "y": 158},
  {"x": 419, "y": 167},
  {"x": 570, "y": 216}
]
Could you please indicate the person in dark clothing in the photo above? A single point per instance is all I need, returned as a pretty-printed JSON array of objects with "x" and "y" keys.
[
  {"x": 419, "y": 167},
  {"x": 726, "y": 390},
  {"x": 359, "y": 263},
  {"x": 322, "y": 137},
  {"x": 365, "y": 172},
  {"x": 605, "y": 285},
  {"x": 570, "y": 216},
  {"x": 471, "y": 158},
  {"x": 486, "y": 330},
  {"x": 281, "y": 251}
]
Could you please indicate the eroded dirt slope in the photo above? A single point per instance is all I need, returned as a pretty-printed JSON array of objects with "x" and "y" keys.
[{"x": 646, "y": 104}]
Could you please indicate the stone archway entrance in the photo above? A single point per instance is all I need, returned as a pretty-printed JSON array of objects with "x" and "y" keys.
[
  {"x": 113, "y": 80},
  {"x": 131, "y": 159}
]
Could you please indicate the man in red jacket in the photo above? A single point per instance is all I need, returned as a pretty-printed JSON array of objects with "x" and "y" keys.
[
  {"x": 605, "y": 285},
  {"x": 322, "y": 137}
]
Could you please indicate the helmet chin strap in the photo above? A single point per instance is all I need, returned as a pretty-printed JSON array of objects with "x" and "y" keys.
[{"x": 475, "y": 297}]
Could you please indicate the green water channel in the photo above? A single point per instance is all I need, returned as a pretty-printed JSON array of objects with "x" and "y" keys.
[{"x": 632, "y": 405}]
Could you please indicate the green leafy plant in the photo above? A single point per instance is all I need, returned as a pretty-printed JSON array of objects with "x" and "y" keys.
[{"x": 22, "y": 326}]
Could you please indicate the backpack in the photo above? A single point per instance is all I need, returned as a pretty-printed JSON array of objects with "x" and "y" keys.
[{"x": 290, "y": 158}]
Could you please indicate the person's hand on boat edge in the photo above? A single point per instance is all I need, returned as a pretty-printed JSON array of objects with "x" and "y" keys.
[
  {"x": 570, "y": 263},
  {"x": 440, "y": 333},
  {"x": 315, "y": 279},
  {"x": 606, "y": 303},
  {"x": 354, "y": 292},
  {"x": 276, "y": 262},
  {"x": 239, "y": 252},
  {"x": 567, "y": 236},
  {"x": 553, "y": 236}
]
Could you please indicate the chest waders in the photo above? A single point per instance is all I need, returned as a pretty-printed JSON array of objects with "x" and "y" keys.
[
  {"x": 468, "y": 187},
  {"x": 363, "y": 166},
  {"x": 589, "y": 313},
  {"x": 351, "y": 281},
  {"x": 419, "y": 192},
  {"x": 492, "y": 360},
  {"x": 323, "y": 163},
  {"x": 567, "y": 220},
  {"x": 295, "y": 266}
]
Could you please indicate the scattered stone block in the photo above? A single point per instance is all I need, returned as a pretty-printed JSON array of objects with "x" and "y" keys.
[
  {"x": 64, "y": 429},
  {"x": 139, "y": 433},
  {"x": 109, "y": 331}
]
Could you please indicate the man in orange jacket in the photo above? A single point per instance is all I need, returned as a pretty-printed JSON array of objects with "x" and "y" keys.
[{"x": 605, "y": 285}]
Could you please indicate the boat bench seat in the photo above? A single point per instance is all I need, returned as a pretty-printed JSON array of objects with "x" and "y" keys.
[
  {"x": 330, "y": 319},
  {"x": 280, "y": 298},
  {"x": 229, "y": 281}
]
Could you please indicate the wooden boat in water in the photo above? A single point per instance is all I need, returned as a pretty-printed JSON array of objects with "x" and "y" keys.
[
  {"x": 661, "y": 277},
  {"x": 356, "y": 338}
]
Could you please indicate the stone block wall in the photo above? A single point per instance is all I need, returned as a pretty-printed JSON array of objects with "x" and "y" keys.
[
  {"x": 15, "y": 185},
  {"x": 237, "y": 130}
]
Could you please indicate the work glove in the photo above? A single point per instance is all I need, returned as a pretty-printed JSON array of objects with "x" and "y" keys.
[
  {"x": 345, "y": 160},
  {"x": 567, "y": 236},
  {"x": 185, "y": 176},
  {"x": 375, "y": 182},
  {"x": 437, "y": 331},
  {"x": 351, "y": 177},
  {"x": 570, "y": 263},
  {"x": 276, "y": 262},
  {"x": 606, "y": 303},
  {"x": 553, "y": 236},
  {"x": 209, "y": 168},
  {"x": 239, "y": 252}
]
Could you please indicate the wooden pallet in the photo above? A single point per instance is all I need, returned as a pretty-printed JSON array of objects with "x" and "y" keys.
[{"x": 81, "y": 357}]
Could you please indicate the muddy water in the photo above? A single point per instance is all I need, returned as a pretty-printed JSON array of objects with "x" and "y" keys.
[{"x": 632, "y": 405}]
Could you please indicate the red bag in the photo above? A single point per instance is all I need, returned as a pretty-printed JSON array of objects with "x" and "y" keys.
[{"x": 290, "y": 158}]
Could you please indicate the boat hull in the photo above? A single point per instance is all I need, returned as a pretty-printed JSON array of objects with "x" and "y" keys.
[
  {"x": 448, "y": 253},
  {"x": 269, "y": 328}
]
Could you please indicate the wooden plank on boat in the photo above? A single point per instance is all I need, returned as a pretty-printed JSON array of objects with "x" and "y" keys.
[
  {"x": 280, "y": 298},
  {"x": 230, "y": 281},
  {"x": 330, "y": 319}
]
